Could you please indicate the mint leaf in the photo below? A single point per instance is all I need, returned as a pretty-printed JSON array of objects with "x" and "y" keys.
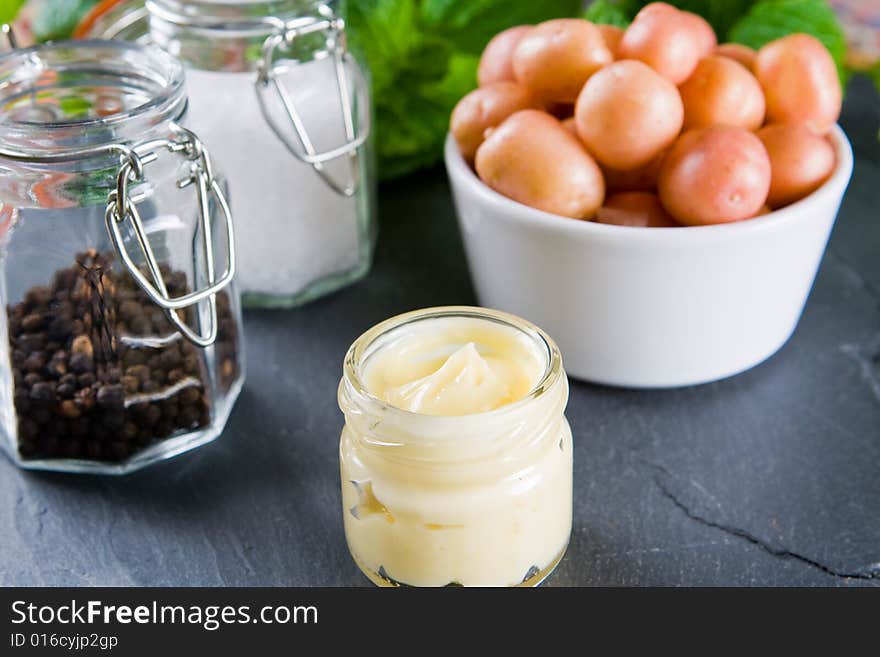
[
  {"x": 9, "y": 10},
  {"x": 469, "y": 24},
  {"x": 721, "y": 14},
  {"x": 610, "y": 12},
  {"x": 768, "y": 20},
  {"x": 404, "y": 61},
  {"x": 422, "y": 56}
]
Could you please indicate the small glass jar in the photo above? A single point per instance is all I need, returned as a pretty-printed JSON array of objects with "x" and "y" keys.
[
  {"x": 286, "y": 109},
  {"x": 120, "y": 345},
  {"x": 468, "y": 500}
]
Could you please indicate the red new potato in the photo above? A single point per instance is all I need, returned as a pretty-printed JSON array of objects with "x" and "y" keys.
[
  {"x": 484, "y": 108},
  {"x": 715, "y": 175},
  {"x": 556, "y": 57},
  {"x": 800, "y": 82},
  {"x": 627, "y": 113},
  {"x": 641, "y": 209},
  {"x": 799, "y": 161},
  {"x": 702, "y": 32},
  {"x": 722, "y": 91},
  {"x": 496, "y": 63},
  {"x": 569, "y": 125},
  {"x": 612, "y": 36},
  {"x": 532, "y": 159},
  {"x": 678, "y": 129},
  {"x": 738, "y": 52},
  {"x": 640, "y": 179},
  {"x": 668, "y": 40}
]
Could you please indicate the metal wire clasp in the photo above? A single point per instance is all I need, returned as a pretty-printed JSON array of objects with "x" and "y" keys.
[
  {"x": 267, "y": 77},
  {"x": 122, "y": 207},
  {"x": 9, "y": 36}
]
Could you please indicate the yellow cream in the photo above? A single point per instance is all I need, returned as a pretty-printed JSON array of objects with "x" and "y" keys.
[
  {"x": 469, "y": 487},
  {"x": 461, "y": 366}
]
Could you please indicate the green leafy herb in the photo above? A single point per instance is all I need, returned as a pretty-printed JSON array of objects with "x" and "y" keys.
[
  {"x": 75, "y": 106},
  {"x": 751, "y": 22},
  {"x": 721, "y": 14},
  {"x": 468, "y": 25},
  {"x": 9, "y": 10},
  {"x": 58, "y": 18},
  {"x": 423, "y": 56},
  {"x": 770, "y": 19},
  {"x": 610, "y": 12}
]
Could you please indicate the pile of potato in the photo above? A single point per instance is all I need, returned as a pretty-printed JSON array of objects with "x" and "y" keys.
[{"x": 657, "y": 125}]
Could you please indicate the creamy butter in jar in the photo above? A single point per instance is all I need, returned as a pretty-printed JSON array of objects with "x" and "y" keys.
[{"x": 456, "y": 457}]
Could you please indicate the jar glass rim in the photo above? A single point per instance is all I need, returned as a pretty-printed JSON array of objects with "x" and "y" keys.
[
  {"x": 254, "y": 17},
  {"x": 357, "y": 351},
  {"x": 24, "y": 66}
]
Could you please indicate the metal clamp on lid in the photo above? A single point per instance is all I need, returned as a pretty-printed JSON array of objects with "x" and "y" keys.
[
  {"x": 9, "y": 36},
  {"x": 267, "y": 76},
  {"x": 121, "y": 206}
]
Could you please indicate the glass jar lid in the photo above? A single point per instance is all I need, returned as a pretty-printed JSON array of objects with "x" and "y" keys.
[
  {"x": 98, "y": 100},
  {"x": 270, "y": 38},
  {"x": 62, "y": 97},
  {"x": 232, "y": 17}
]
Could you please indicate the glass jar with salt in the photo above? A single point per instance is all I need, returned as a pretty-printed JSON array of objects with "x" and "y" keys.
[{"x": 274, "y": 89}]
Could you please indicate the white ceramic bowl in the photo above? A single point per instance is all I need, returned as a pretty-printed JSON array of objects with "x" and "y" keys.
[{"x": 648, "y": 307}]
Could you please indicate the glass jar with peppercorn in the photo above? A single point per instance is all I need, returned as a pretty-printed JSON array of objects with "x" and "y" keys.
[{"x": 120, "y": 345}]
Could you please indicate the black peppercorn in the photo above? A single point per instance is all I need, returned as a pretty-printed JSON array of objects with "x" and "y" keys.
[
  {"x": 189, "y": 416},
  {"x": 27, "y": 428},
  {"x": 34, "y": 362},
  {"x": 73, "y": 369},
  {"x": 81, "y": 363},
  {"x": 69, "y": 409},
  {"x": 42, "y": 392},
  {"x": 57, "y": 366},
  {"x": 37, "y": 296},
  {"x": 66, "y": 390},
  {"x": 169, "y": 358},
  {"x": 176, "y": 375},
  {"x": 33, "y": 322},
  {"x": 41, "y": 414},
  {"x": 30, "y": 342},
  {"x": 189, "y": 395},
  {"x": 151, "y": 415},
  {"x": 129, "y": 431},
  {"x": 21, "y": 400},
  {"x": 110, "y": 396},
  {"x": 60, "y": 327}
]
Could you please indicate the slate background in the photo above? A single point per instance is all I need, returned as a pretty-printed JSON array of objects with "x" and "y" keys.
[{"x": 771, "y": 478}]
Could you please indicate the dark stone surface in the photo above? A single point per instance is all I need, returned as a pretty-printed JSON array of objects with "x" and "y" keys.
[{"x": 772, "y": 477}]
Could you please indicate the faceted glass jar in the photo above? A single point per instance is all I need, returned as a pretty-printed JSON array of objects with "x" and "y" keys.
[
  {"x": 94, "y": 376},
  {"x": 470, "y": 500},
  {"x": 303, "y": 233}
]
